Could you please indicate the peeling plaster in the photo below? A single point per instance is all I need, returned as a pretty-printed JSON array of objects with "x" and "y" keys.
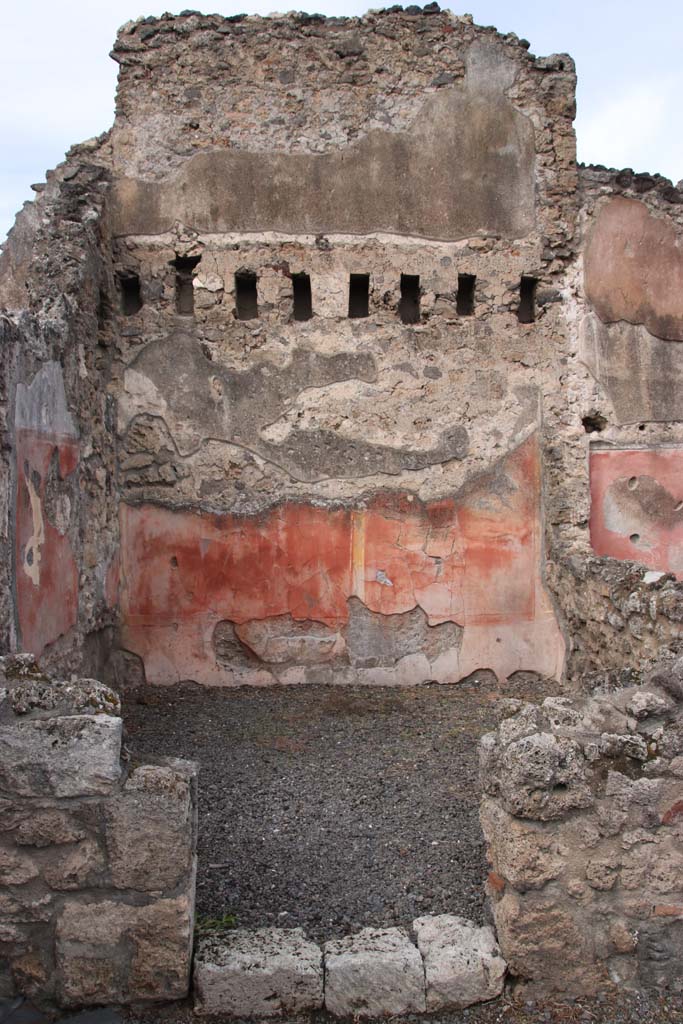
[
  {"x": 30, "y": 562},
  {"x": 474, "y": 561}
]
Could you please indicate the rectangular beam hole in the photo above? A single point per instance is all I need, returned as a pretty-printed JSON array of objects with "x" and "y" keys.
[
  {"x": 301, "y": 294},
  {"x": 359, "y": 295},
  {"x": 131, "y": 296},
  {"x": 464, "y": 300},
  {"x": 246, "y": 295},
  {"x": 409, "y": 306},
  {"x": 184, "y": 291},
  {"x": 526, "y": 314}
]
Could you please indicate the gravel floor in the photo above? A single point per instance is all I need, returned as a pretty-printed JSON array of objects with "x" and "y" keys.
[
  {"x": 613, "y": 1008},
  {"x": 336, "y": 808},
  {"x": 328, "y": 808}
]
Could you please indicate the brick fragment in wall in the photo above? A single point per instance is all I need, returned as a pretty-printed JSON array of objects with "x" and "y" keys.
[{"x": 473, "y": 562}]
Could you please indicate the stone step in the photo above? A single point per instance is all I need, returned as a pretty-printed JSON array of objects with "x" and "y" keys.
[{"x": 375, "y": 973}]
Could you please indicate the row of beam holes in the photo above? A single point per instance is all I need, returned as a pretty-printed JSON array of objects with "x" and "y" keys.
[
  {"x": 409, "y": 304},
  {"x": 246, "y": 294}
]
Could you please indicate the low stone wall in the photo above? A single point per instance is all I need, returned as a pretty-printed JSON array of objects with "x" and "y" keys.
[
  {"x": 379, "y": 972},
  {"x": 583, "y": 815},
  {"x": 97, "y": 855}
]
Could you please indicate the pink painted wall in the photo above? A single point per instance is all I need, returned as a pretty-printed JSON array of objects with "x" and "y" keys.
[
  {"x": 474, "y": 560},
  {"x": 637, "y": 506}
]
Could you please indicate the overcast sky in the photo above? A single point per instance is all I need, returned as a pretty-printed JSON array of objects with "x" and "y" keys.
[{"x": 57, "y": 81}]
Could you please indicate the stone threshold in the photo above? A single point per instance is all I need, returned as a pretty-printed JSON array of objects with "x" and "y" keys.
[{"x": 269, "y": 972}]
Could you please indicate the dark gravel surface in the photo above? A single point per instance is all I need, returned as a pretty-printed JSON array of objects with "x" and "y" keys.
[
  {"x": 329, "y": 808},
  {"x": 609, "y": 1008},
  {"x": 324, "y": 805}
]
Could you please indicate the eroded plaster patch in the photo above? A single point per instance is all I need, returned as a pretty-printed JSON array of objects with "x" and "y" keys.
[
  {"x": 46, "y": 446},
  {"x": 30, "y": 562},
  {"x": 637, "y": 506}
]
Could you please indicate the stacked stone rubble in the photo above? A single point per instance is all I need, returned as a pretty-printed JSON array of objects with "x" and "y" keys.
[
  {"x": 97, "y": 856},
  {"x": 583, "y": 816}
]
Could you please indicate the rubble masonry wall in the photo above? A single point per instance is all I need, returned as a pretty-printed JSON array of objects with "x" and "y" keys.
[{"x": 97, "y": 855}]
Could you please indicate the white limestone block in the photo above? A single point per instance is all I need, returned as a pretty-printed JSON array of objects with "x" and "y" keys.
[
  {"x": 261, "y": 973},
  {"x": 376, "y": 973},
  {"x": 463, "y": 963}
]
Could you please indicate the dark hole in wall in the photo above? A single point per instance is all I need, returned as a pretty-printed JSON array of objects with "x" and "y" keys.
[
  {"x": 464, "y": 300},
  {"x": 359, "y": 295},
  {"x": 301, "y": 294},
  {"x": 184, "y": 292},
  {"x": 526, "y": 314},
  {"x": 409, "y": 306},
  {"x": 594, "y": 422},
  {"x": 131, "y": 296},
  {"x": 246, "y": 295}
]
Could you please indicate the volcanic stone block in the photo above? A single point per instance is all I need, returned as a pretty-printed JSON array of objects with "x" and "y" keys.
[
  {"x": 463, "y": 964},
  {"x": 150, "y": 828},
  {"x": 16, "y": 867},
  {"x": 75, "y": 755},
  {"x": 111, "y": 952},
  {"x": 258, "y": 974},
  {"x": 376, "y": 973}
]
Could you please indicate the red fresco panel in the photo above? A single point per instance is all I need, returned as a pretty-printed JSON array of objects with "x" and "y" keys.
[
  {"x": 637, "y": 506},
  {"x": 474, "y": 560},
  {"x": 46, "y": 572}
]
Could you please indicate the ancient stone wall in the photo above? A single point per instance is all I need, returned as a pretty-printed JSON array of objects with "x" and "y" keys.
[
  {"x": 621, "y": 383},
  {"x": 582, "y": 815},
  {"x": 323, "y": 377},
  {"x": 58, "y": 527},
  {"x": 97, "y": 856},
  {"x": 348, "y": 488}
]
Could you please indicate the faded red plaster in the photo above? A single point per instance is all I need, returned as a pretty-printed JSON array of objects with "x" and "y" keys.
[
  {"x": 667, "y": 910},
  {"x": 46, "y": 571},
  {"x": 633, "y": 268},
  {"x": 673, "y": 813},
  {"x": 495, "y": 882},
  {"x": 474, "y": 560},
  {"x": 635, "y": 494}
]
